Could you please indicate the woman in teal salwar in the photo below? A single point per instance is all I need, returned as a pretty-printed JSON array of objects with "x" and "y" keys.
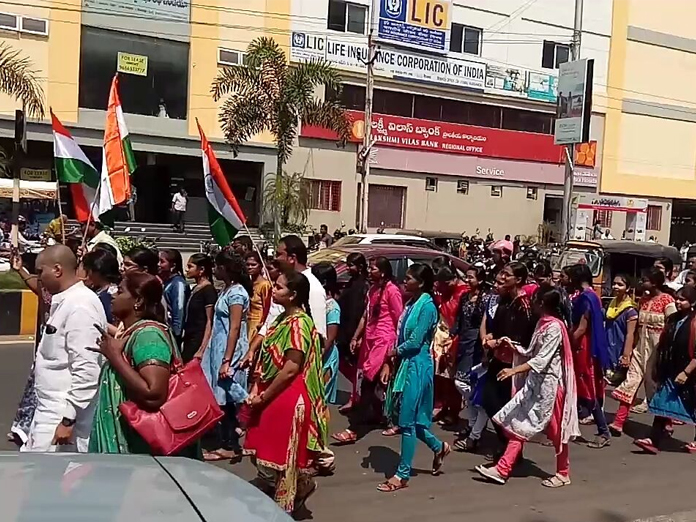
[{"x": 410, "y": 396}]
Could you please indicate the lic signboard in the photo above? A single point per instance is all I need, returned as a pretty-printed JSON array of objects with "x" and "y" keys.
[{"x": 419, "y": 24}]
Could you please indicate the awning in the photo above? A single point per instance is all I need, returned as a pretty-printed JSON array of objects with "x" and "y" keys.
[{"x": 29, "y": 189}]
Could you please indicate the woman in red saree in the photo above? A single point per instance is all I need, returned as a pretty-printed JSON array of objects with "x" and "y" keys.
[
  {"x": 448, "y": 292},
  {"x": 288, "y": 423}
]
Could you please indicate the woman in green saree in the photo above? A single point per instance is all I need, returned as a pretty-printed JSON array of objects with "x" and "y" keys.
[
  {"x": 410, "y": 396},
  {"x": 138, "y": 364}
]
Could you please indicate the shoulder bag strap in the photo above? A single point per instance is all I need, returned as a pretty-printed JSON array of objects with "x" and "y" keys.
[{"x": 176, "y": 363}]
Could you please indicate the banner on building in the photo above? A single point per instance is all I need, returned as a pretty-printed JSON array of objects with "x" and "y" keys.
[
  {"x": 419, "y": 24},
  {"x": 426, "y": 135},
  {"x": 508, "y": 80},
  {"x": 132, "y": 64},
  {"x": 30, "y": 174},
  {"x": 390, "y": 63},
  {"x": 161, "y": 10},
  {"x": 574, "y": 106}
]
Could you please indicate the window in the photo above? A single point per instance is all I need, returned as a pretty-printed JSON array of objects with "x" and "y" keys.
[
  {"x": 9, "y": 22},
  {"x": 325, "y": 195},
  {"x": 603, "y": 217},
  {"x": 532, "y": 193},
  {"x": 462, "y": 186},
  {"x": 431, "y": 184},
  {"x": 465, "y": 39},
  {"x": 351, "y": 96},
  {"x": 163, "y": 92},
  {"x": 386, "y": 206},
  {"x": 230, "y": 57},
  {"x": 654, "y": 217},
  {"x": 554, "y": 54},
  {"x": 497, "y": 191},
  {"x": 393, "y": 102},
  {"x": 346, "y": 17},
  {"x": 528, "y": 121},
  {"x": 36, "y": 26}
]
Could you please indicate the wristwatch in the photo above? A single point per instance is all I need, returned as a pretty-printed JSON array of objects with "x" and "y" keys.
[{"x": 67, "y": 422}]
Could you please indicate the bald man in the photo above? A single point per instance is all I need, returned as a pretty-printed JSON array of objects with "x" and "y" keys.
[{"x": 66, "y": 371}]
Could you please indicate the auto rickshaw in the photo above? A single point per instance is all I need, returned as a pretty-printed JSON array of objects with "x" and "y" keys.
[{"x": 607, "y": 258}]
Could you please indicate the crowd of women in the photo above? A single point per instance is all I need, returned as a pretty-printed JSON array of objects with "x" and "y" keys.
[{"x": 531, "y": 354}]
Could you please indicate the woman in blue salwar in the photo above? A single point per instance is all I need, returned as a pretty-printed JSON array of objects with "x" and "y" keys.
[{"x": 409, "y": 401}]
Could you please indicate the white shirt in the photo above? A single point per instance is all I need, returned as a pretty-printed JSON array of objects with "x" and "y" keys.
[
  {"x": 103, "y": 237},
  {"x": 179, "y": 202},
  {"x": 66, "y": 372},
  {"x": 317, "y": 306}
]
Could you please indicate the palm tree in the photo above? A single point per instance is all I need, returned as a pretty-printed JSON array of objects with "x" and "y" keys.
[
  {"x": 288, "y": 193},
  {"x": 19, "y": 80},
  {"x": 267, "y": 94}
]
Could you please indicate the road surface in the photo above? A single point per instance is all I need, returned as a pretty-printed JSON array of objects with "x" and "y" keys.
[{"x": 616, "y": 484}]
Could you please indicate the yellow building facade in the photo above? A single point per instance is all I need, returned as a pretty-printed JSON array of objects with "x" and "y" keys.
[
  {"x": 650, "y": 129},
  {"x": 186, "y": 44}
]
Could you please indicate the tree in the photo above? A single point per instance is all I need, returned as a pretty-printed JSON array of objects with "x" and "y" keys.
[
  {"x": 19, "y": 80},
  {"x": 289, "y": 193},
  {"x": 267, "y": 94}
]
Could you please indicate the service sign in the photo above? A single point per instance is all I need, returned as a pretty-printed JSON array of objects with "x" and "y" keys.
[
  {"x": 419, "y": 24},
  {"x": 391, "y": 63}
]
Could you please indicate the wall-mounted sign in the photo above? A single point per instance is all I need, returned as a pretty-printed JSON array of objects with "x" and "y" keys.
[
  {"x": 132, "y": 64},
  {"x": 508, "y": 80},
  {"x": 542, "y": 87},
  {"x": 161, "y": 10},
  {"x": 617, "y": 203},
  {"x": 35, "y": 174},
  {"x": 390, "y": 63},
  {"x": 574, "y": 102},
  {"x": 420, "y": 24},
  {"x": 585, "y": 154},
  {"x": 426, "y": 135}
]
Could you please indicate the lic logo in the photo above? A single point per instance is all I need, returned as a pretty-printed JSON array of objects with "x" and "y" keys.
[
  {"x": 393, "y": 8},
  {"x": 298, "y": 40}
]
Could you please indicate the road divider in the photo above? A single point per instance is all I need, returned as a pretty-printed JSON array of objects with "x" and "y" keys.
[{"x": 18, "y": 311}]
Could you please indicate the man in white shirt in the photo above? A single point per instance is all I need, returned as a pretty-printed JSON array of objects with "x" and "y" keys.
[
  {"x": 179, "y": 201},
  {"x": 292, "y": 250},
  {"x": 66, "y": 371},
  {"x": 96, "y": 234}
]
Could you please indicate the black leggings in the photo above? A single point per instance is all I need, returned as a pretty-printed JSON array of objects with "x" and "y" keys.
[{"x": 496, "y": 394}]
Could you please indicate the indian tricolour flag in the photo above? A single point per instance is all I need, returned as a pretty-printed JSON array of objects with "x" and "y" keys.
[
  {"x": 118, "y": 160},
  {"x": 74, "y": 168},
  {"x": 224, "y": 214}
]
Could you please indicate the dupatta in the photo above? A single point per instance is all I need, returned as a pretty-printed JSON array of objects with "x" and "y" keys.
[{"x": 588, "y": 302}]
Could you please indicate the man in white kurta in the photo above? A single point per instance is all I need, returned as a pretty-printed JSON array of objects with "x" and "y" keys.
[{"x": 66, "y": 371}]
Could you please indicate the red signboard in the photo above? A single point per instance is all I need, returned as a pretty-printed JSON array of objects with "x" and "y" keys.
[{"x": 434, "y": 136}]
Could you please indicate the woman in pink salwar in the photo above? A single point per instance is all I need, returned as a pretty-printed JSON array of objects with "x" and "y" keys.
[
  {"x": 374, "y": 337},
  {"x": 547, "y": 398}
]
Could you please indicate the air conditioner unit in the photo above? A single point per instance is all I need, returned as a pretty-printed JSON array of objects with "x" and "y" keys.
[
  {"x": 37, "y": 26},
  {"x": 230, "y": 57},
  {"x": 9, "y": 22}
]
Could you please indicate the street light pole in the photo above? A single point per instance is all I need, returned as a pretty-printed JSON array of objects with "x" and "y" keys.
[
  {"x": 20, "y": 148},
  {"x": 566, "y": 225},
  {"x": 364, "y": 153}
]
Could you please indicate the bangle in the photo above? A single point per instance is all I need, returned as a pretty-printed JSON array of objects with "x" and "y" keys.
[{"x": 226, "y": 361}]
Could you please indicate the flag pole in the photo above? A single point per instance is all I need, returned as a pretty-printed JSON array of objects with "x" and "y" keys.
[
  {"x": 60, "y": 211},
  {"x": 90, "y": 216}
]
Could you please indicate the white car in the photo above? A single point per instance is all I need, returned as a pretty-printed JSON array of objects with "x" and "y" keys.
[{"x": 386, "y": 239}]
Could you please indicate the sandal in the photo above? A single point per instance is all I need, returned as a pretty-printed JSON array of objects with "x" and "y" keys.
[
  {"x": 615, "y": 431},
  {"x": 586, "y": 421},
  {"x": 647, "y": 446},
  {"x": 391, "y": 432},
  {"x": 213, "y": 456},
  {"x": 599, "y": 442},
  {"x": 557, "y": 481},
  {"x": 390, "y": 487},
  {"x": 345, "y": 437},
  {"x": 439, "y": 458},
  {"x": 466, "y": 445},
  {"x": 691, "y": 447}
]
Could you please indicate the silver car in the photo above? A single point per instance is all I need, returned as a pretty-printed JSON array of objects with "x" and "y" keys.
[{"x": 68, "y": 487}]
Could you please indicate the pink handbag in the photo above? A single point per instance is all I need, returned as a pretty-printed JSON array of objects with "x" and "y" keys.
[{"x": 188, "y": 413}]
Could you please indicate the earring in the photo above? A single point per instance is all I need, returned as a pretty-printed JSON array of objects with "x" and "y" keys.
[{"x": 137, "y": 308}]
